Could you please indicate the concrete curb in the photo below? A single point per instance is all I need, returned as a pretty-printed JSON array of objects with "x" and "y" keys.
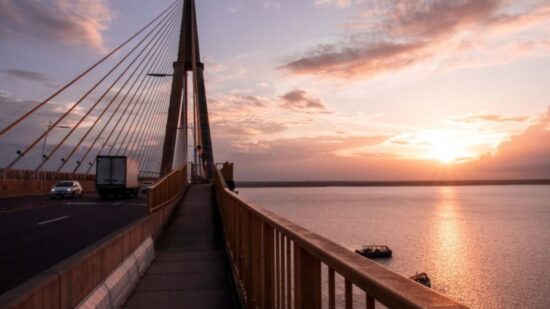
[{"x": 117, "y": 287}]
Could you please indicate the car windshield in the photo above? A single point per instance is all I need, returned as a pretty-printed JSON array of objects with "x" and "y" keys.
[{"x": 64, "y": 184}]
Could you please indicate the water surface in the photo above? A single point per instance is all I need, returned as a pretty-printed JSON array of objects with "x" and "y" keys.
[{"x": 485, "y": 246}]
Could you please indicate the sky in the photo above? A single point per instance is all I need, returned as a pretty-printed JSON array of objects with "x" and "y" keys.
[{"x": 328, "y": 89}]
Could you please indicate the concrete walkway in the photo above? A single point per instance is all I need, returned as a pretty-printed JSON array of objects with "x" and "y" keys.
[{"x": 191, "y": 269}]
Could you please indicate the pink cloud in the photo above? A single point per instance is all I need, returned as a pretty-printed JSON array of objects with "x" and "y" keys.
[
  {"x": 299, "y": 100},
  {"x": 393, "y": 35},
  {"x": 70, "y": 22},
  {"x": 524, "y": 156},
  {"x": 492, "y": 118}
]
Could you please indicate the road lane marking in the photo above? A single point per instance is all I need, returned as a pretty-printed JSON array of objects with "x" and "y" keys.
[
  {"x": 52, "y": 220},
  {"x": 116, "y": 204},
  {"x": 80, "y": 203}
]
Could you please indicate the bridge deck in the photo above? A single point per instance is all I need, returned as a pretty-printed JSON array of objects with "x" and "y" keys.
[{"x": 191, "y": 269}]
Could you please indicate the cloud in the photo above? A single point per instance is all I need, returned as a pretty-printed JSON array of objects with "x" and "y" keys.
[
  {"x": 393, "y": 35},
  {"x": 27, "y": 75},
  {"x": 317, "y": 158},
  {"x": 491, "y": 118},
  {"x": 270, "y": 4},
  {"x": 300, "y": 100},
  {"x": 336, "y": 3},
  {"x": 525, "y": 155},
  {"x": 73, "y": 23},
  {"x": 242, "y": 117}
]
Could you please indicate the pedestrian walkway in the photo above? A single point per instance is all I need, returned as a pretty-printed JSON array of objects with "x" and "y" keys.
[{"x": 191, "y": 268}]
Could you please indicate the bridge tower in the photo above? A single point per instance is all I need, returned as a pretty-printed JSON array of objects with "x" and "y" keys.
[{"x": 188, "y": 61}]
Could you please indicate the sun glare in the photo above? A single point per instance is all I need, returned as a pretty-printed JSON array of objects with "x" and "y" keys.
[
  {"x": 446, "y": 154},
  {"x": 448, "y": 150}
]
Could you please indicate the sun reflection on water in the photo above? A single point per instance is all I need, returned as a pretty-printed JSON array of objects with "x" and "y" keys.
[{"x": 449, "y": 248}]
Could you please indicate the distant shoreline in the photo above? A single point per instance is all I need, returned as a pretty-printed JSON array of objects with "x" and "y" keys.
[{"x": 407, "y": 183}]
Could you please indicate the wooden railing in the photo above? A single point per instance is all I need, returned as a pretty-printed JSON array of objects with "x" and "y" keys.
[
  {"x": 279, "y": 264},
  {"x": 167, "y": 189}
]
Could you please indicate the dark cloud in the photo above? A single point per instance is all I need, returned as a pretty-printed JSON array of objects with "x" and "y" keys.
[
  {"x": 69, "y": 22},
  {"x": 26, "y": 75},
  {"x": 243, "y": 129},
  {"x": 300, "y": 100},
  {"x": 392, "y": 35},
  {"x": 251, "y": 100},
  {"x": 492, "y": 118}
]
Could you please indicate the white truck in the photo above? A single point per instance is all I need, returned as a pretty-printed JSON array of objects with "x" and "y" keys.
[{"x": 116, "y": 176}]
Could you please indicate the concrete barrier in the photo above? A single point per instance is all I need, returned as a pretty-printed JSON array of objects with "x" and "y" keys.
[
  {"x": 66, "y": 284},
  {"x": 19, "y": 188},
  {"x": 117, "y": 287}
]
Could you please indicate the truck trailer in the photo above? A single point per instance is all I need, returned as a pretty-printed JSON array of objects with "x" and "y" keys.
[{"x": 116, "y": 176}]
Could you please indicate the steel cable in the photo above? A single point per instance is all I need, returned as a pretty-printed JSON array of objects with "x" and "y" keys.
[
  {"x": 147, "y": 86},
  {"x": 145, "y": 63},
  {"x": 21, "y": 154},
  {"x": 98, "y": 101},
  {"x": 63, "y": 88}
]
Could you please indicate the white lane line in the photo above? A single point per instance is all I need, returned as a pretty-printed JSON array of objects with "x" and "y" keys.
[
  {"x": 116, "y": 204},
  {"x": 52, "y": 220},
  {"x": 80, "y": 203}
]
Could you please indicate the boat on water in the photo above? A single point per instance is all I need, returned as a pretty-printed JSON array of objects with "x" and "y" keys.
[
  {"x": 375, "y": 251},
  {"x": 423, "y": 279}
]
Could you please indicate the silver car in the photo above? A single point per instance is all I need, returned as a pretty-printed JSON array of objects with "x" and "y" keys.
[
  {"x": 146, "y": 186},
  {"x": 66, "y": 189}
]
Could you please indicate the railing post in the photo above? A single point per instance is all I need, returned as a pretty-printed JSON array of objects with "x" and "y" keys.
[
  {"x": 307, "y": 279},
  {"x": 268, "y": 266},
  {"x": 255, "y": 225}
]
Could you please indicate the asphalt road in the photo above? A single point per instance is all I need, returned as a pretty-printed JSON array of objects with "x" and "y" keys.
[{"x": 36, "y": 232}]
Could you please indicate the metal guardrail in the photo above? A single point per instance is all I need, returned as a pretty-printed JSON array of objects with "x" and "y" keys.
[
  {"x": 167, "y": 189},
  {"x": 278, "y": 264},
  {"x": 17, "y": 174}
]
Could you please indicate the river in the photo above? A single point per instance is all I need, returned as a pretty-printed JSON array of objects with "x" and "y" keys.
[{"x": 484, "y": 246}]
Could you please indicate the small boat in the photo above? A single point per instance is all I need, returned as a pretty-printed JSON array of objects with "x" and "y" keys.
[
  {"x": 375, "y": 251},
  {"x": 423, "y": 279}
]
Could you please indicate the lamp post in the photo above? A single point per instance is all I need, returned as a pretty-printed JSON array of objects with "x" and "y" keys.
[
  {"x": 179, "y": 149},
  {"x": 44, "y": 157}
]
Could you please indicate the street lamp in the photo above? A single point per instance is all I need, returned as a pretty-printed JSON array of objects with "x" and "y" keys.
[
  {"x": 44, "y": 157},
  {"x": 159, "y": 74},
  {"x": 46, "y": 138}
]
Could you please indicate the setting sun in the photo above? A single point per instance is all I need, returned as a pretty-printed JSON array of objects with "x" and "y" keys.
[
  {"x": 448, "y": 147},
  {"x": 447, "y": 154}
]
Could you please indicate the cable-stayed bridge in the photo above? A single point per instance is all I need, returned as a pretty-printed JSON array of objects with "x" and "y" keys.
[{"x": 190, "y": 241}]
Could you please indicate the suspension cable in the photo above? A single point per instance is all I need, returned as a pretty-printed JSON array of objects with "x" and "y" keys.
[
  {"x": 118, "y": 122},
  {"x": 155, "y": 65},
  {"x": 102, "y": 96},
  {"x": 63, "y": 88},
  {"x": 145, "y": 64},
  {"x": 160, "y": 125},
  {"x": 146, "y": 131},
  {"x": 21, "y": 154}
]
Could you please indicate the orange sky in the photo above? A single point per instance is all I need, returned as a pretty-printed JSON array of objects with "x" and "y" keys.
[{"x": 327, "y": 89}]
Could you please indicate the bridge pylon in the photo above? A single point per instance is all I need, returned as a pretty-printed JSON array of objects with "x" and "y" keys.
[{"x": 188, "y": 61}]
